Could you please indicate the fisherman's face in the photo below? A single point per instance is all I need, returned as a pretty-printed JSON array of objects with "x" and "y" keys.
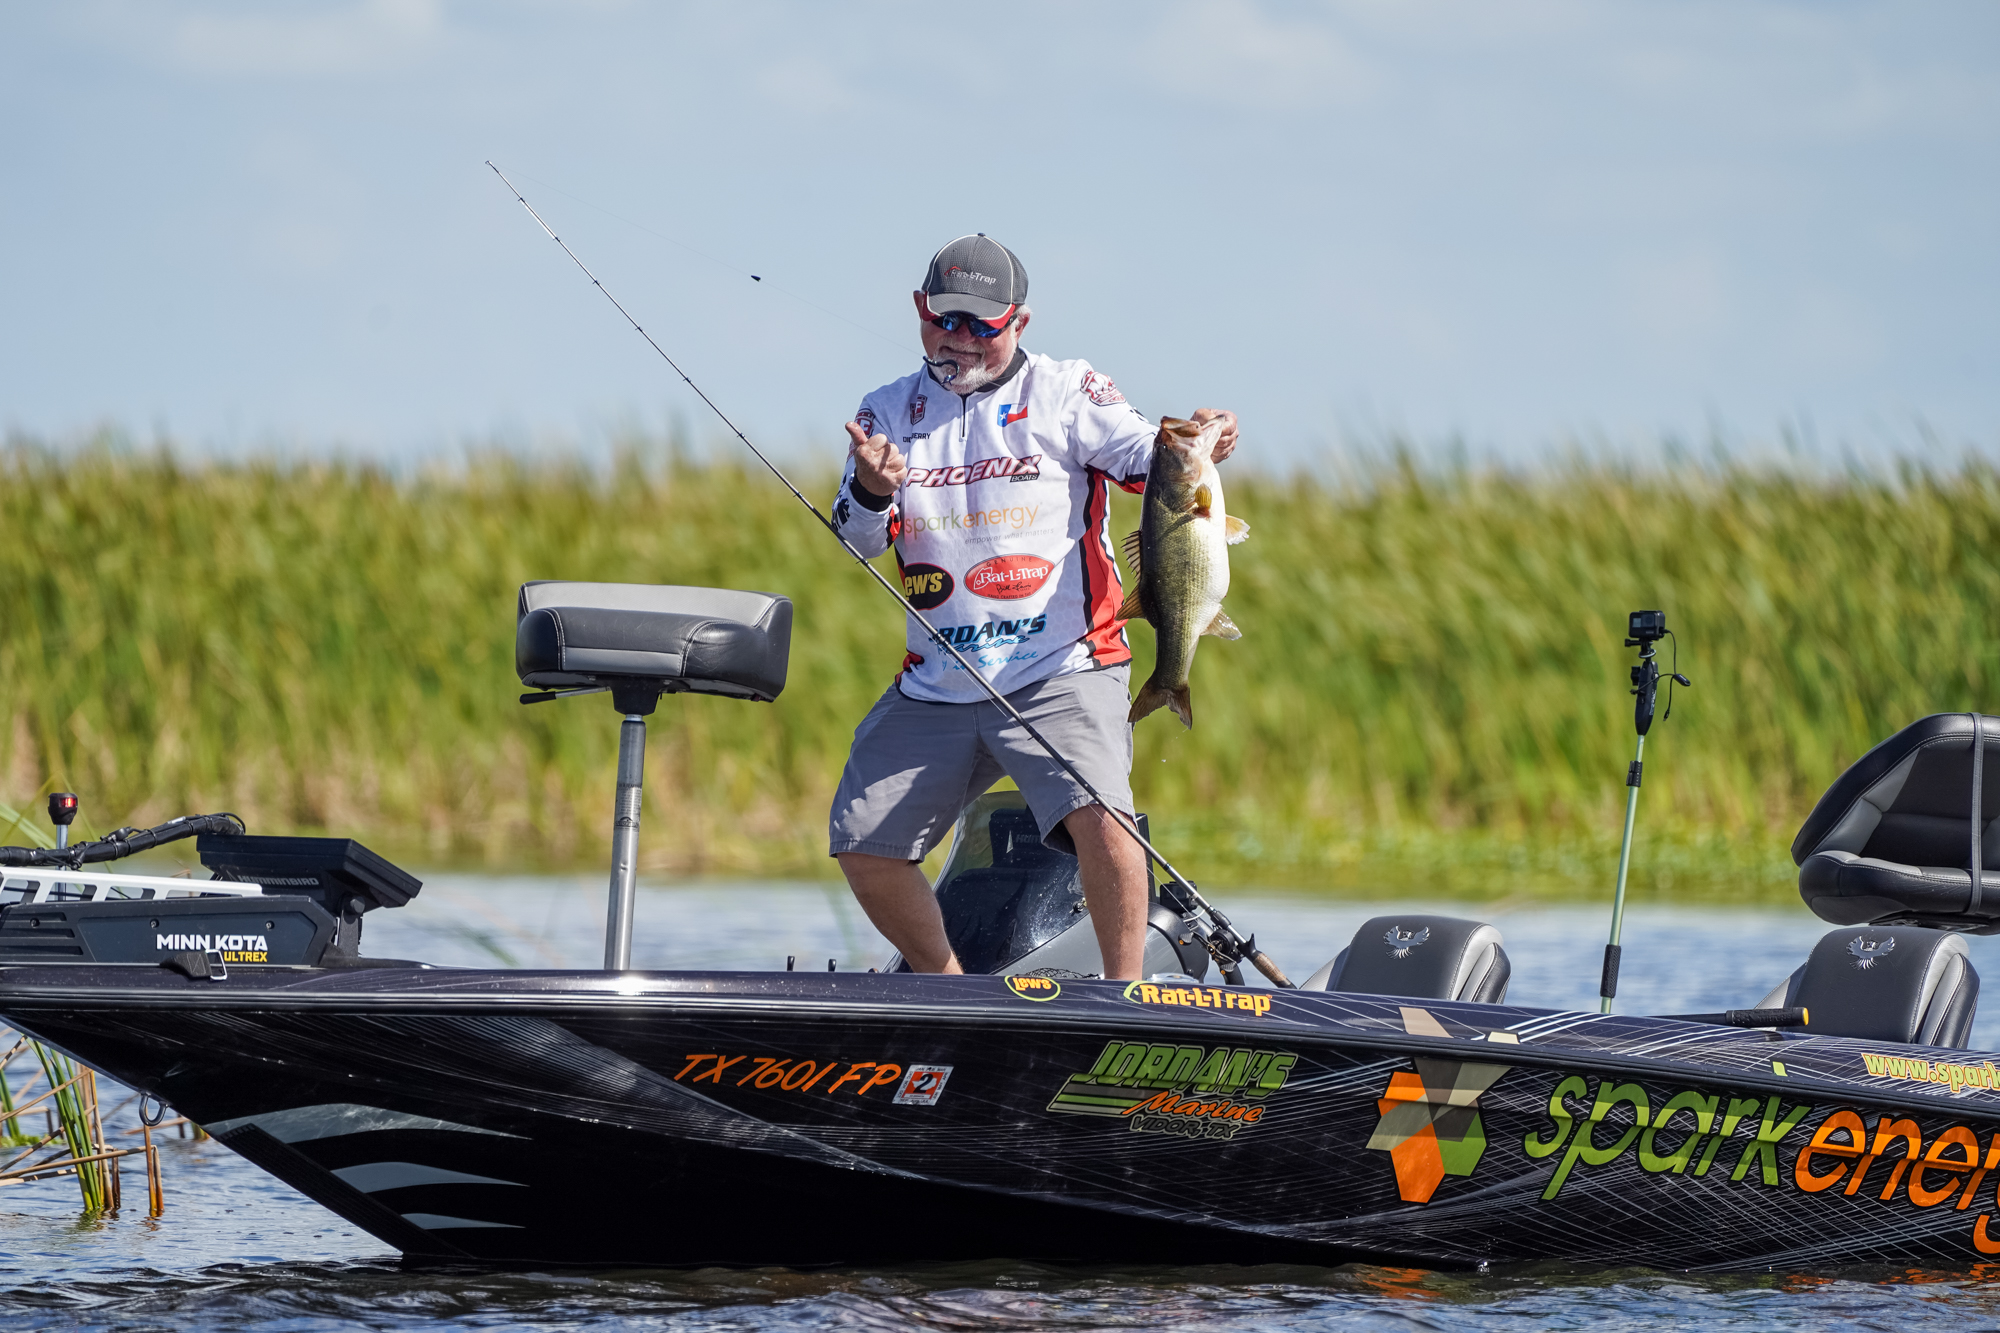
[{"x": 980, "y": 361}]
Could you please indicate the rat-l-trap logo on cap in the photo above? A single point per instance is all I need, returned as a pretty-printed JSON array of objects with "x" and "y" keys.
[{"x": 1430, "y": 1123}]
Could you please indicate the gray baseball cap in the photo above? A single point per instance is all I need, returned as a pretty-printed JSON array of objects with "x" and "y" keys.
[{"x": 978, "y": 276}]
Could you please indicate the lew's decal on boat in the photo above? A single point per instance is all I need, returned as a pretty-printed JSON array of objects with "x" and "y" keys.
[
  {"x": 1200, "y": 997},
  {"x": 233, "y": 948},
  {"x": 1034, "y": 988},
  {"x": 1430, "y": 1125},
  {"x": 784, "y": 1074},
  {"x": 1195, "y": 1091}
]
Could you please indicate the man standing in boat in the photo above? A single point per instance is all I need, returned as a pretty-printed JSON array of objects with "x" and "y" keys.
[{"x": 989, "y": 470}]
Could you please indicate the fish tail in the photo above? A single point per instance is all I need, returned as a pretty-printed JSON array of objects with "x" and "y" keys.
[{"x": 1154, "y": 696}]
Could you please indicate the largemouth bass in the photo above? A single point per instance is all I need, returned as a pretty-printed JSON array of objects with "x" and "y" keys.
[{"x": 1180, "y": 561}]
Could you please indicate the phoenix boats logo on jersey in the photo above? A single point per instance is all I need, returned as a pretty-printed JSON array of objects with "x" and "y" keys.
[
  {"x": 1401, "y": 941},
  {"x": 1200, "y": 997},
  {"x": 925, "y": 586},
  {"x": 1430, "y": 1123},
  {"x": 986, "y": 469},
  {"x": 1868, "y": 952},
  {"x": 1009, "y": 413},
  {"x": 1038, "y": 989},
  {"x": 917, "y": 409},
  {"x": 1193, "y": 1091},
  {"x": 1100, "y": 390},
  {"x": 233, "y": 948},
  {"x": 865, "y": 419},
  {"x": 1008, "y": 578},
  {"x": 994, "y": 633},
  {"x": 923, "y": 1086}
]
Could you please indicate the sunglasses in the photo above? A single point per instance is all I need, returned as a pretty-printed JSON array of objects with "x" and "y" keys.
[{"x": 955, "y": 320}]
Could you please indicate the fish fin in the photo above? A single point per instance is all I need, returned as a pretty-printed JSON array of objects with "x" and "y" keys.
[
  {"x": 1133, "y": 545},
  {"x": 1130, "y": 609},
  {"x": 1203, "y": 498},
  {"x": 1154, "y": 696},
  {"x": 1238, "y": 530},
  {"x": 1222, "y": 627}
]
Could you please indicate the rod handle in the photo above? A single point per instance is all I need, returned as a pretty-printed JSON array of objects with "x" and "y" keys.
[
  {"x": 1607, "y": 984},
  {"x": 1262, "y": 962}
]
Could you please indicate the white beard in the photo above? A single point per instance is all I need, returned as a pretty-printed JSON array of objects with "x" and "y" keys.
[{"x": 963, "y": 381}]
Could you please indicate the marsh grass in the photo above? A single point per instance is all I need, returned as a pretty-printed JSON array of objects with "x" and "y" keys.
[{"x": 1430, "y": 692}]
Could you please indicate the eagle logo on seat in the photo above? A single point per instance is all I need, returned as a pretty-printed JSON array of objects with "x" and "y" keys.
[
  {"x": 1866, "y": 952},
  {"x": 1401, "y": 941}
]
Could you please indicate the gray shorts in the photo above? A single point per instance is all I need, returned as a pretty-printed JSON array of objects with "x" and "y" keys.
[{"x": 915, "y": 765}]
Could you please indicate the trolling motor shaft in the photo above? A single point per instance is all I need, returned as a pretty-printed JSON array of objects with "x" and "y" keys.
[{"x": 1645, "y": 629}]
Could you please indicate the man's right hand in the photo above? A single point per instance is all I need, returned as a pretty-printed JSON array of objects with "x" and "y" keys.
[{"x": 878, "y": 465}]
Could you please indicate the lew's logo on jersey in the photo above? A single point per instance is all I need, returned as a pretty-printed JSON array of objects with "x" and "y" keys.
[
  {"x": 926, "y": 586},
  {"x": 986, "y": 469},
  {"x": 1007, "y": 578}
]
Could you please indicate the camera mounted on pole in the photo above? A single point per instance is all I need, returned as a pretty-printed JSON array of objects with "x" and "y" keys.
[{"x": 1644, "y": 630}]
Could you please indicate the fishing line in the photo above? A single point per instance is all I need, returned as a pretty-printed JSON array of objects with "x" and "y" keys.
[
  {"x": 1224, "y": 941},
  {"x": 758, "y": 278}
]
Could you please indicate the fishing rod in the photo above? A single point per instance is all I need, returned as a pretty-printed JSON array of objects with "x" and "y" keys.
[
  {"x": 1225, "y": 943},
  {"x": 1645, "y": 630}
]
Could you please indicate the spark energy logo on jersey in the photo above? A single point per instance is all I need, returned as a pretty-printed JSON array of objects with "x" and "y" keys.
[
  {"x": 986, "y": 469},
  {"x": 1010, "y": 413}
]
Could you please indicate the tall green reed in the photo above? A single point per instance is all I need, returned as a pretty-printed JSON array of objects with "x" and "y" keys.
[{"x": 1429, "y": 693}]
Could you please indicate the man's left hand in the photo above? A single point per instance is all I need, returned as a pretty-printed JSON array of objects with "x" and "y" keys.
[{"x": 1225, "y": 444}]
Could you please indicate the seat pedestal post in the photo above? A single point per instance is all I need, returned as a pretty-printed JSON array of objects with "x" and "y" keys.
[{"x": 625, "y": 843}]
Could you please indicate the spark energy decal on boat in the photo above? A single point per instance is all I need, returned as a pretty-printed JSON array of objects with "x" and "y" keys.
[
  {"x": 1430, "y": 1123},
  {"x": 784, "y": 1074},
  {"x": 1982, "y": 1075},
  {"x": 1840, "y": 1150},
  {"x": 1200, "y": 997},
  {"x": 1194, "y": 1091}
]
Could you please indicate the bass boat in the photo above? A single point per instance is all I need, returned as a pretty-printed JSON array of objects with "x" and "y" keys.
[{"x": 1392, "y": 1107}]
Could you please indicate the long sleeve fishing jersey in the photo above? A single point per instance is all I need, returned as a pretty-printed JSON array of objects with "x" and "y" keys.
[{"x": 999, "y": 528}]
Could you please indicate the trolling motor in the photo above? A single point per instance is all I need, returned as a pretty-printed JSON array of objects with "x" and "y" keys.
[{"x": 1644, "y": 630}]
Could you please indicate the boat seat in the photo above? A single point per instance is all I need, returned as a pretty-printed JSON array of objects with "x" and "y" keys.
[
  {"x": 1423, "y": 957},
  {"x": 1891, "y": 841},
  {"x": 1903, "y": 984},
  {"x": 640, "y": 638}
]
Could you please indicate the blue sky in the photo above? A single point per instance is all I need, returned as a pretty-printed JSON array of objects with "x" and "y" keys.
[{"x": 270, "y": 226}]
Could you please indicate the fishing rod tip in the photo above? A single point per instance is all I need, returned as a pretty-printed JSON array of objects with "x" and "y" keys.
[{"x": 755, "y": 278}]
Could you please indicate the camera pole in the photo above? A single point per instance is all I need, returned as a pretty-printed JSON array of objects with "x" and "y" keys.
[{"x": 1646, "y": 628}]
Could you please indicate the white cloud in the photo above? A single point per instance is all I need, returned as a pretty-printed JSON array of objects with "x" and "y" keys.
[
  {"x": 1235, "y": 52},
  {"x": 352, "y": 39}
]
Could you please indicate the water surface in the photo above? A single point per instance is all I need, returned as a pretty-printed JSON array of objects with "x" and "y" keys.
[{"x": 236, "y": 1248}]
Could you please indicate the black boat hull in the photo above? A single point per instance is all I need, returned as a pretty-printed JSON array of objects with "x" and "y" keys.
[{"x": 809, "y": 1119}]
